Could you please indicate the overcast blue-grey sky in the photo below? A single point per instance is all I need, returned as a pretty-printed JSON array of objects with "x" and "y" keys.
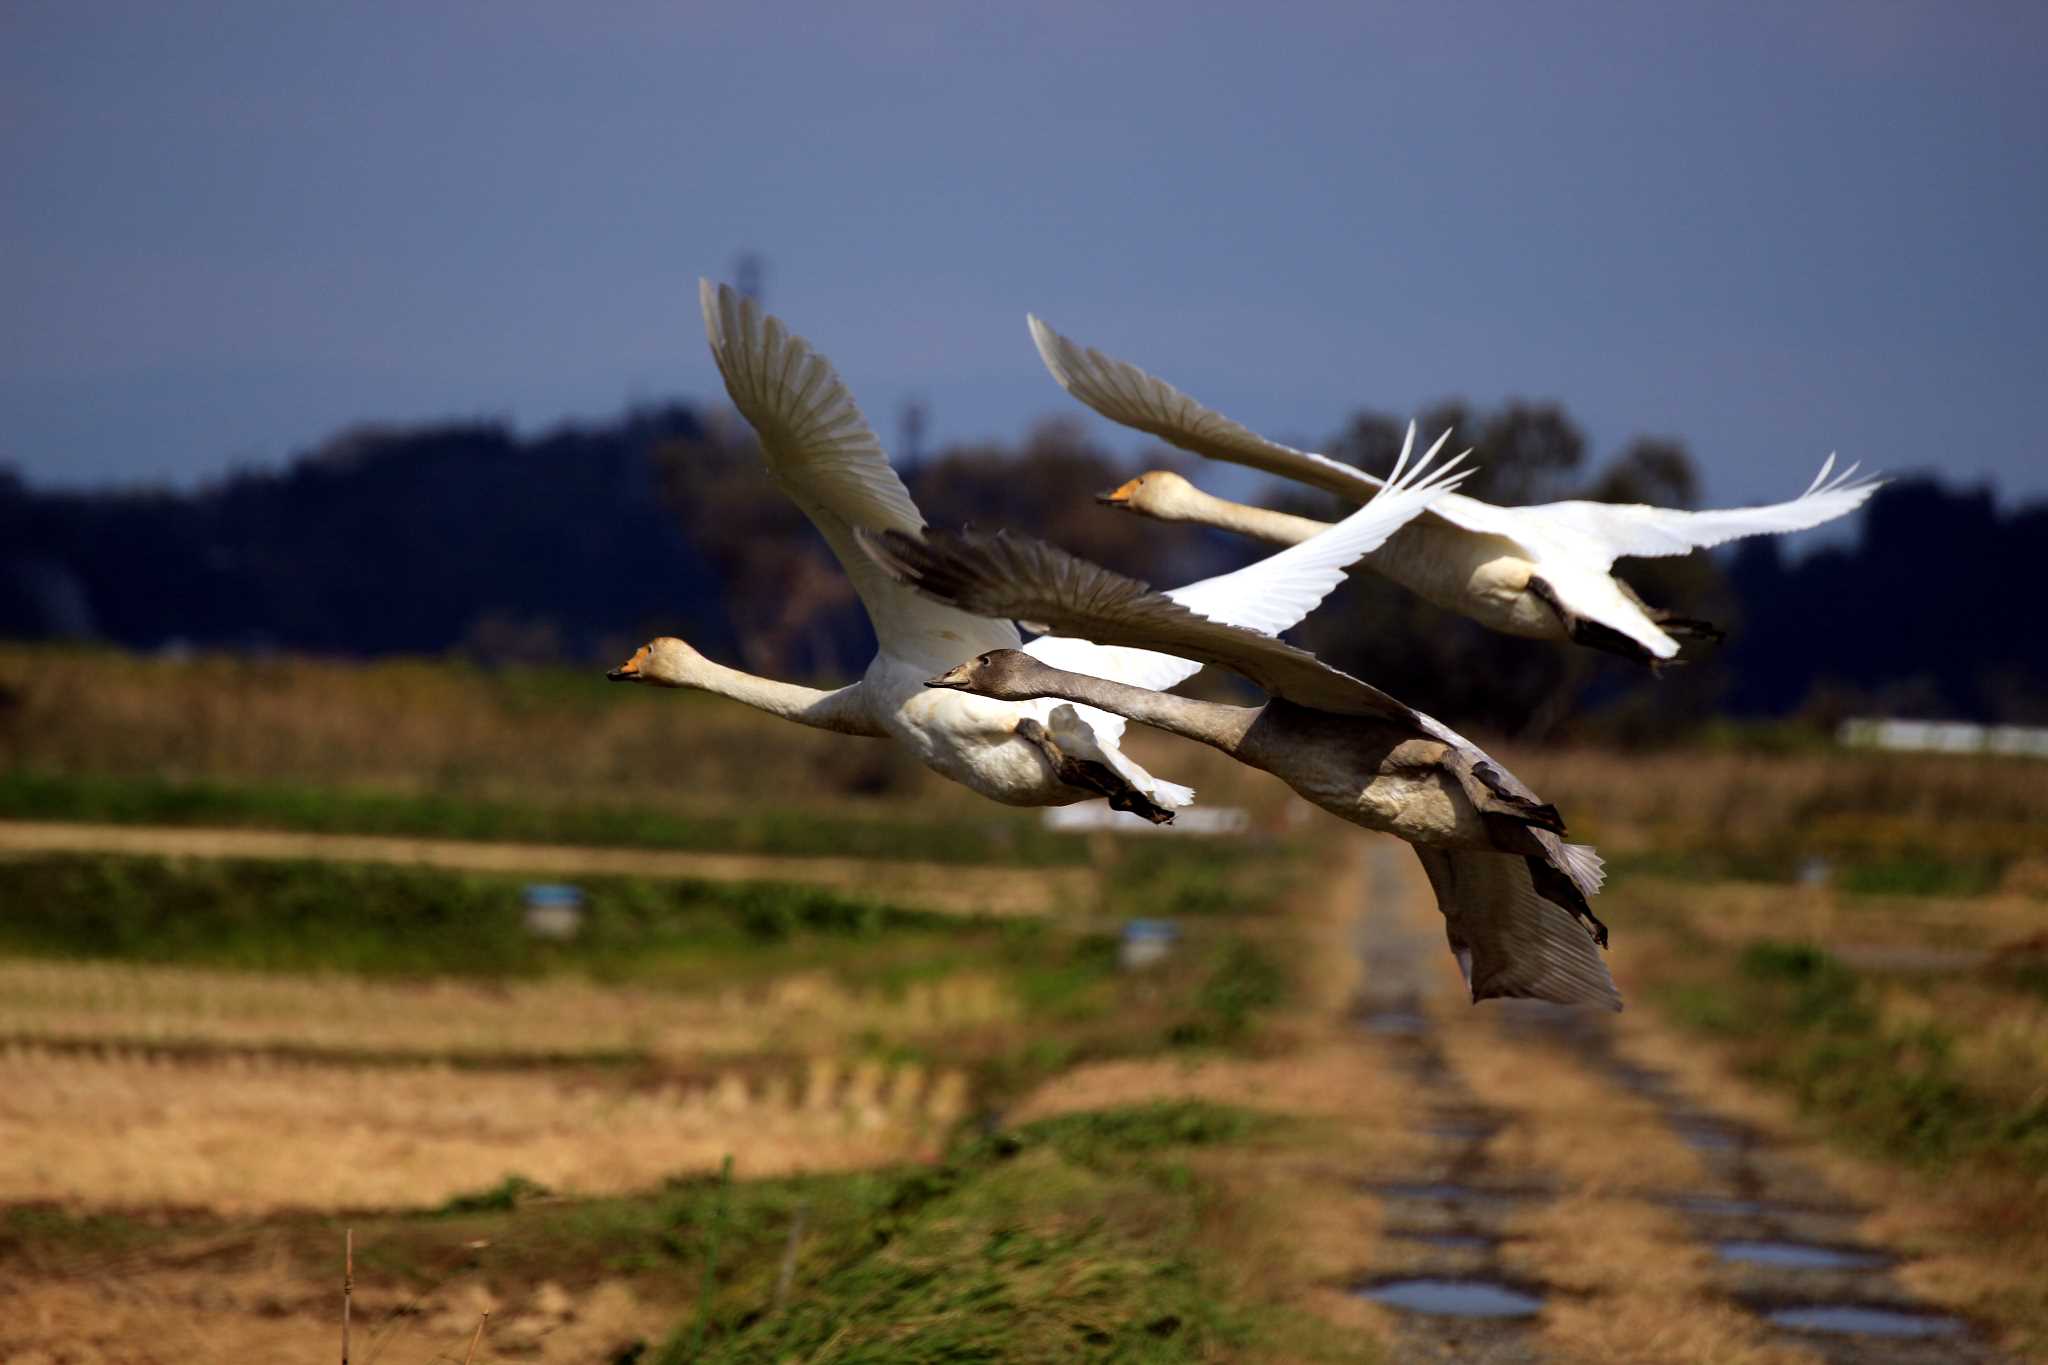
[{"x": 1772, "y": 230}]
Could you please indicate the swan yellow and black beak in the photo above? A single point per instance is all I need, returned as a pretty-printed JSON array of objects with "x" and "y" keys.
[
  {"x": 1120, "y": 496},
  {"x": 957, "y": 677},
  {"x": 629, "y": 671}
]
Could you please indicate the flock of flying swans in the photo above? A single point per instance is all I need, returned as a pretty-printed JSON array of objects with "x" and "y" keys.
[{"x": 1041, "y": 724}]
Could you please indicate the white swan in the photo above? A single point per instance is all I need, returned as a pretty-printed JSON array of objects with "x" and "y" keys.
[
  {"x": 822, "y": 453},
  {"x": 1541, "y": 571},
  {"x": 1511, "y": 890}
]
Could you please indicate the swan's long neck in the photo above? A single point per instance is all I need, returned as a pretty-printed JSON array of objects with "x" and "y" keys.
[
  {"x": 1280, "y": 528},
  {"x": 1210, "y": 723},
  {"x": 844, "y": 711}
]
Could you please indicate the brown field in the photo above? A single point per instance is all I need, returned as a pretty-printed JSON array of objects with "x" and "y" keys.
[
  {"x": 245, "y": 1100},
  {"x": 431, "y": 725},
  {"x": 250, "y": 1136},
  {"x": 557, "y": 1019}
]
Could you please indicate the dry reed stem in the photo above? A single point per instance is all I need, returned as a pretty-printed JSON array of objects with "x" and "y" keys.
[
  {"x": 470, "y": 1354},
  {"x": 348, "y": 1285}
]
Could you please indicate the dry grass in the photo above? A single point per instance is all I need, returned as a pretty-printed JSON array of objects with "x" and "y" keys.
[
  {"x": 558, "y": 1017},
  {"x": 2001, "y": 1038},
  {"x": 1566, "y": 1125},
  {"x": 1739, "y": 912},
  {"x": 248, "y": 1137},
  {"x": 413, "y": 725},
  {"x": 1838, "y": 799},
  {"x": 1975, "y": 1246}
]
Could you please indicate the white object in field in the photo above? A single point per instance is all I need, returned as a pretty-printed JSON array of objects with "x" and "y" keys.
[
  {"x": 1146, "y": 943},
  {"x": 1944, "y": 737},
  {"x": 553, "y": 911},
  {"x": 1497, "y": 565},
  {"x": 820, "y": 450},
  {"x": 1096, "y": 815}
]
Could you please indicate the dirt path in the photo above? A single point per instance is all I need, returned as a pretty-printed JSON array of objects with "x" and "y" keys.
[
  {"x": 932, "y": 886},
  {"x": 1636, "y": 1221},
  {"x": 1510, "y": 1184}
]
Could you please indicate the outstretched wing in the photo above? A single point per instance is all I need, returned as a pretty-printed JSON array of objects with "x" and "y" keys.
[
  {"x": 1509, "y": 940},
  {"x": 822, "y": 453},
  {"x": 1272, "y": 594},
  {"x": 1020, "y": 577},
  {"x": 1129, "y": 396},
  {"x": 1605, "y": 531}
]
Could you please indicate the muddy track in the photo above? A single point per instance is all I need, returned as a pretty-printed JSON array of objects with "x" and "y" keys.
[
  {"x": 1776, "y": 1271},
  {"x": 1446, "y": 1220},
  {"x": 1784, "y": 1243},
  {"x": 930, "y": 886}
]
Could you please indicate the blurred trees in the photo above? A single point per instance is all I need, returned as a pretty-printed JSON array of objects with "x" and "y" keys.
[{"x": 581, "y": 542}]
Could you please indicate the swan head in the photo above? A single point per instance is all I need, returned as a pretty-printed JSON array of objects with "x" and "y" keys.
[
  {"x": 1004, "y": 674},
  {"x": 662, "y": 662},
  {"x": 1160, "y": 494}
]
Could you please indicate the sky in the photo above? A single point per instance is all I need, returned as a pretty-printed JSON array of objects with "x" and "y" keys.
[{"x": 1770, "y": 230}]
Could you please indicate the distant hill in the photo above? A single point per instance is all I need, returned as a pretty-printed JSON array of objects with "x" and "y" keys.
[{"x": 580, "y": 542}]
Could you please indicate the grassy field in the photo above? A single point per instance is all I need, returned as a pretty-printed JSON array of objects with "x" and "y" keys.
[{"x": 955, "y": 1136}]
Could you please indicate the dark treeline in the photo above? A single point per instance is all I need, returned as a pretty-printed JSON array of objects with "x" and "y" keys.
[{"x": 577, "y": 544}]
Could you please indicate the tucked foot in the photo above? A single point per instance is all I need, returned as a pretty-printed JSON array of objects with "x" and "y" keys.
[
  {"x": 1590, "y": 633},
  {"x": 1688, "y": 627},
  {"x": 1559, "y": 889},
  {"x": 1091, "y": 776}
]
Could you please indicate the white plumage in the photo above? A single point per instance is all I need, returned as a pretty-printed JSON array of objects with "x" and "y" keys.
[
  {"x": 820, "y": 450},
  {"x": 1541, "y": 571}
]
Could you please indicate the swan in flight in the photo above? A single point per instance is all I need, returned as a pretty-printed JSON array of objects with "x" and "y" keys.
[
  {"x": 820, "y": 450},
  {"x": 1543, "y": 571},
  {"x": 1513, "y": 893}
]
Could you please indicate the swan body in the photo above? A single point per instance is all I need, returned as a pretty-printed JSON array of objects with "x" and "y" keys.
[
  {"x": 1036, "y": 752},
  {"x": 1514, "y": 895},
  {"x": 1543, "y": 571},
  {"x": 1485, "y": 577}
]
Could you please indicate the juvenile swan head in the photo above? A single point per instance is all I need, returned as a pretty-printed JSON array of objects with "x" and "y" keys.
[
  {"x": 663, "y": 662},
  {"x": 1004, "y": 674},
  {"x": 1160, "y": 494}
]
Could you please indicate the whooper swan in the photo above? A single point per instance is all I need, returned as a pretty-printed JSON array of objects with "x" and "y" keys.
[
  {"x": 1511, "y": 890},
  {"x": 1541, "y": 571},
  {"x": 823, "y": 454}
]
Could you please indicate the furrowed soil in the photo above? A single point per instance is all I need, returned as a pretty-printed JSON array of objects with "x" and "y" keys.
[{"x": 1574, "y": 1186}]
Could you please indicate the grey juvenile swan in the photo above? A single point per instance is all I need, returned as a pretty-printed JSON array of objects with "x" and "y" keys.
[
  {"x": 1544, "y": 572},
  {"x": 1512, "y": 891}
]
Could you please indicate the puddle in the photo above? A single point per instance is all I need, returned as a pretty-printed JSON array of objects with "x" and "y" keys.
[
  {"x": 1454, "y": 1298},
  {"x": 1396, "y": 1023},
  {"x": 1460, "y": 1130},
  {"x": 1707, "y": 1135},
  {"x": 1449, "y": 1241},
  {"x": 1720, "y": 1205},
  {"x": 1445, "y": 1192},
  {"x": 1640, "y": 1080},
  {"x": 1851, "y": 1319},
  {"x": 1796, "y": 1255}
]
